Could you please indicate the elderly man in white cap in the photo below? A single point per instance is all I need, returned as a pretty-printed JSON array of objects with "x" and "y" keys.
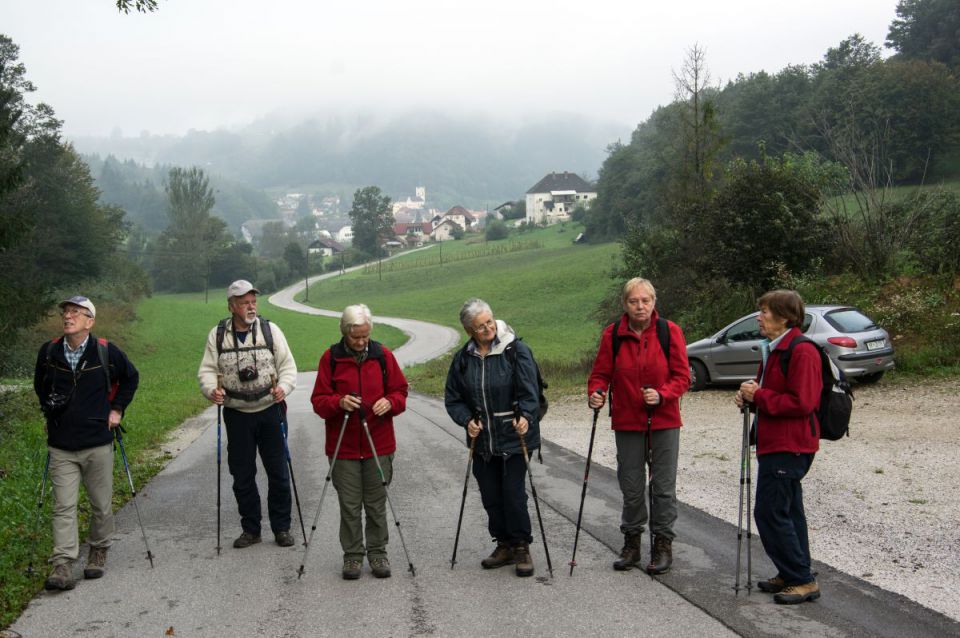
[
  {"x": 250, "y": 357},
  {"x": 84, "y": 385}
]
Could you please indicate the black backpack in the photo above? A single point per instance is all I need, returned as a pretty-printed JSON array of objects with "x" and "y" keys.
[{"x": 836, "y": 398}]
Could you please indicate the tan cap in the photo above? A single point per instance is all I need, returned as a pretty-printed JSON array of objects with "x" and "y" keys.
[
  {"x": 239, "y": 288},
  {"x": 80, "y": 300}
]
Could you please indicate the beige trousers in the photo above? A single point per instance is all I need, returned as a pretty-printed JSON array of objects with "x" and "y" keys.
[{"x": 93, "y": 466}]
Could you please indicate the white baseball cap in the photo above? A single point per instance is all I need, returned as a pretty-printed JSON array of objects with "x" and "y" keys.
[
  {"x": 239, "y": 288},
  {"x": 80, "y": 300}
]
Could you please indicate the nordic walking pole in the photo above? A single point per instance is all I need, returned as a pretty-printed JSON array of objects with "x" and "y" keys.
[
  {"x": 749, "y": 519},
  {"x": 219, "y": 424},
  {"x": 133, "y": 492},
  {"x": 650, "y": 409},
  {"x": 376, "y": 459},
  {"x": 286, "y": 451},
  {"x": 744, "y": 454},
  {"x": 36, "y": 522},
  {"x": 583, "y": 492},
  {"x": 323, "y": 493},
  {"x": 463, "y": 500},
  {"x": 533, "y": 490}
]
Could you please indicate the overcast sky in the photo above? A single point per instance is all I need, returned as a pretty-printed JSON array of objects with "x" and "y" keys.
[{"x": 206, "y": 64}]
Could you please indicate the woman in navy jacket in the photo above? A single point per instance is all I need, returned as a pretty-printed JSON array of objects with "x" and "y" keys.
[
  {"x": 492, "y": 391},
  {"x": 645, "y": 387},
  {"x": 788, "y": 436}
]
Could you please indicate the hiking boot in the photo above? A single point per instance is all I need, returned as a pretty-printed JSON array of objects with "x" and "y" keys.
[
  {"x": 630, "y": 554},
  {"x": 662, "y": 556},
  {"x": 796, "y": 594},
  {"x": 380, "y": 567},
  {"x": 351, "y": 569},
  {"x": 521, "y": 556},
  {"x": 96, "y": 562},
  {"x": 284, "y": 538},
  {"x": 246, "y": 540},
  {"x": 773, "y": 585},
  {"x": 60, "y": 578},
  {"x": 502, "y": 555}
]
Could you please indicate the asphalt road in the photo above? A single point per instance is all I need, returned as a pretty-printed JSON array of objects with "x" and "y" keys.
[{"x": 256, "y": 592}]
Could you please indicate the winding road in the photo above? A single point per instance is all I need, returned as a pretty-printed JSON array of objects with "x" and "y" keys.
[{"x": 256, "y": 592}]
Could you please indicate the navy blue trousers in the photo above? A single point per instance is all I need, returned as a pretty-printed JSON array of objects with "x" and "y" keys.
[
  {"x": 504, "y": 497},
  {"x": 247, "y": 432},
  {"x": 781, "y": 522}
]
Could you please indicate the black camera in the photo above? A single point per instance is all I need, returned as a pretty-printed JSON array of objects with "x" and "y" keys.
[
  {"x": 55, "y": 404},
  {"x": 248, "y": 374}
]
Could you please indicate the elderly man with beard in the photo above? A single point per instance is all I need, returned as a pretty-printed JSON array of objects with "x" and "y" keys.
[{"x": 256, "y": 372}]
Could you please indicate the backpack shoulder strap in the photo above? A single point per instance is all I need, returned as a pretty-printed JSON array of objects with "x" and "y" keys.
[
  {"x": 104, "y": 355},
  {"x": 375, "y": 349},
  {"x": 221, "y": 331},
  {"x": 788, "y": 352},
  {"x": 663, "y": 336},
  {"x": 614, "y": 340},
  {"x": 267, "y": 333}
]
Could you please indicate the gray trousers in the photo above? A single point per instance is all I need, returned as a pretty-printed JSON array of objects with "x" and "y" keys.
[
  {"x": 359, "y": 488},
  {"x": 632, "y": 475}
]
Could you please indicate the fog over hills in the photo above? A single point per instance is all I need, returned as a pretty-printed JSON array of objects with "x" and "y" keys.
[{"x": 469, "y": 159}]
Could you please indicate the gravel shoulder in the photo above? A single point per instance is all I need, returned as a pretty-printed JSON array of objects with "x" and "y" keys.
[{"x": 882, "y": 505}]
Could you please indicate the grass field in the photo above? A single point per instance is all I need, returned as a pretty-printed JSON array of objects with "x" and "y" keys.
[
  {"x": 165, "y": 342},
  {"x": 547, "y": 294}
]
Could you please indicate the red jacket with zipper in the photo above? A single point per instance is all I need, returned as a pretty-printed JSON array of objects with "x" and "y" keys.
[
  {"x": 365, "y": 379},
  {"x": 641, "y": 362},
  {"x": 786, "y": 406}
]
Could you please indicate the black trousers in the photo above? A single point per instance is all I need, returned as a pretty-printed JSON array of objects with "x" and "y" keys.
[
  {"x": 781, "y": 521},
  {"x": 246, "y": 433},
  {"x": 504, "y": 497}
]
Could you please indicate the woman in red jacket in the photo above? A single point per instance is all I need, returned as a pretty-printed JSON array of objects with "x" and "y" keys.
[
  {"x": 645, "y": 386},
  {"x": 788, "y": 436},
  {"x": 359, "y": 378}
]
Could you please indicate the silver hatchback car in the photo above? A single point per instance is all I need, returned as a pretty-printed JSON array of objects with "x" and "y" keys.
[{"x": 855, "y": 343}]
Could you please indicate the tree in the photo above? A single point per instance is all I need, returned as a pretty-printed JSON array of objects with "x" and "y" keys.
[
  {"x": 296, "y": 259},
  {"x": 927, "y": 30},
  {"x": 194, "y": 238},
  {"x": 698, "y": 138},
  {"x": 54, "y": 233},
  {"x": 140, "y": 6},
  {"x": 372, "y": 220}
]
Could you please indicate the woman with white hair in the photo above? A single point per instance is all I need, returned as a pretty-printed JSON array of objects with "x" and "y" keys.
[
  {"x": 359, "y": 375},
  {"x": 492, "y": 392}
]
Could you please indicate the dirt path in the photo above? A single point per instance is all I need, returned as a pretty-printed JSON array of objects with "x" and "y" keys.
[{"x": 882, "y": 505}]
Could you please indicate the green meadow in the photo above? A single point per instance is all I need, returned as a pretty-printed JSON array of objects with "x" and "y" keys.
[{"x": 545, "y": 286}]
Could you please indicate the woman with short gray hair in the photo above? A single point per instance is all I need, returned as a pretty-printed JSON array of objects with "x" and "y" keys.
[
  {"x": 492, "y": 393},
  {"x": 360, "y": 376},
  {"x": 641, "y": 365}
]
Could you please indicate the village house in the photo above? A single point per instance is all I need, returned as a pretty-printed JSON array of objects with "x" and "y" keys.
[
  {"x": 324, "y": 246},
  {"x": 554, "y": 197}
]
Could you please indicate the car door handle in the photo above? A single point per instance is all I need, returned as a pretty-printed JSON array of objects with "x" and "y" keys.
[{"x": 755, "y": 348}]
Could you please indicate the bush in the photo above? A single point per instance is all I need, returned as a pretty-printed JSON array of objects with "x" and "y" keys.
[{"x": 496, "y": 230}]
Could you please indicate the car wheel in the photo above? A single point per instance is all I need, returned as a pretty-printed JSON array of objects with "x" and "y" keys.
[
  {"x": 698, "y": 376},
  {"x": 870, "y": 378}
]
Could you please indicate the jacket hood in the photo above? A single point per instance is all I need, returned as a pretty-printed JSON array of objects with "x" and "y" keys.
[{"x": 505, "y": 335}]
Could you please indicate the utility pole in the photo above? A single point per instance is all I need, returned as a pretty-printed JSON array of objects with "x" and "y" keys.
[{"x": 306, "y": 276}]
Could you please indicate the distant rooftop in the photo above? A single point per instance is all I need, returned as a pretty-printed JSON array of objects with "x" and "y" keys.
[{"x": 562, "y": 182}]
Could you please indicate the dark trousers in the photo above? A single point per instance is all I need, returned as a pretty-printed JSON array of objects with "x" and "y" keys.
[
  {"x": 246, "y": 432},
  {"x": 502, "y": 491},
  {"x": 781, "y": 522}
]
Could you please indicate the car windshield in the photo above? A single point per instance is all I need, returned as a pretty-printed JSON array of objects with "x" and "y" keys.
[{"x": 850, "y": 320}]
